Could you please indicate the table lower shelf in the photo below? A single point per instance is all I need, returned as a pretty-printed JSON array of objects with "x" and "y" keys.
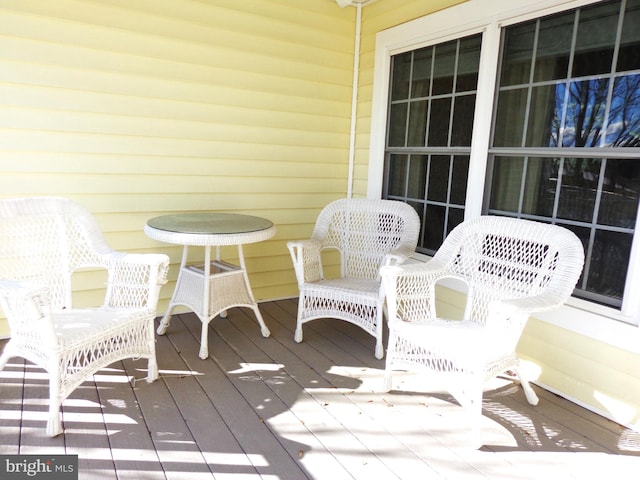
[{"x": 228, "y": 287}]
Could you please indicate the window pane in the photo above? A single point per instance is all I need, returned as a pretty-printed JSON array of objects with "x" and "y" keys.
[
  {"x": 438, "y": 178},
  {"x": 623, "y": 122},
  {"x": 417, "y": 123},
  {"x": 620, "y": 193},
  {"x": 417, "y": 176},
  {"x": 463, "y": 110},
  {"x": 544, "y": 122},
  {"x": 468, "y": 64},
  {"x": 509, "y": 124},
  {"x": 421, "y": 72},
  {"x": 397, "y": 124},
  {"x": 439, "y": 122},
  {"x": 629, "y": 53},
  {"x": 444, "y": 68},
  {"x": 401, "y": 75},
  {"x": 595, "y": 39},
  {"x": 584, "y": 234},
  {"x": 585, "y": 111},
  {"x": 540, "y": 186},
  {"x": 578, "y": 189},
  {"x": 609, "y": 264},
  {"x": 506, "y": 184},
  {"x": 459, "y": 178},
  {"x": 554, "y": 47},
  {"x": 434, "y": 234},
  {"x": 516, "y": 63},
  {"x": 397, "y": 175},
  {"x": 456, "y": 216}
]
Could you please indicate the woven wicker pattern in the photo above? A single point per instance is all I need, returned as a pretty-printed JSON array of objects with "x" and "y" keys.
[
  {"x": 368, "y": 234},
  {"x": 511, "y": 268},
  {"x": 42, "y": 242}
]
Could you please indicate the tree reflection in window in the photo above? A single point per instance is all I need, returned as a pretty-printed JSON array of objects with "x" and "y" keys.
[{"x": 591, "y": 119}]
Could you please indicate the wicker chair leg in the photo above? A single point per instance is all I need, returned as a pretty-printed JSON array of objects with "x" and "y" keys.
[
  {"x": 152, "y": 369},
  {"x": 379, "y": 353},
  {"x": 54, "y": 423},
  {"x": 391, "y": 350},
  {"x": 298, "y": 334},
  {"x": 4, "y": 358},
  {"x": 386, "y": 386},
  {"x": 475, "y": 414},
  {"x": 532, "y": 398}
]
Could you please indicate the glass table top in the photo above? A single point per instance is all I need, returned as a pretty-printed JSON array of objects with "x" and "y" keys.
[{"x": 209, "y": 223}]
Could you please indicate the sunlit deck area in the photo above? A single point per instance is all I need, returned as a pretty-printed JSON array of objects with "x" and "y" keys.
[{"x": 271, "y": 408}]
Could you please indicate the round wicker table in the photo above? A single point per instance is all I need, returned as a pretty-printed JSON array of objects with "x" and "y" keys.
[{"x": 211, "y": 288}]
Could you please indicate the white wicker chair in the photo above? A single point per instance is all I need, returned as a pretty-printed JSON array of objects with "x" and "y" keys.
[
  {"x": 42, "y": 242},
  {"x": 511, "y": 269},
  {"x": 368, "y": 234}
]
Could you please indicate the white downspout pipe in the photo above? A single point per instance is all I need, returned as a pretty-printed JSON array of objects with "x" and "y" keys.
[
  {"x": 354, "y": 87},
  {"x": 354, "y": 100}
]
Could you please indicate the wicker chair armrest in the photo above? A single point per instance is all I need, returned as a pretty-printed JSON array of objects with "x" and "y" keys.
[
  {"x": 135, "y": 279},
  {"x": 507, "y": 318},
  {"x": 27, "y": 307},
  {"x": 397, "y": 256},
  {"x": 537, "y": 303},
  {"x": 410, "y": 290},
  {"x": 430, "y": 272},
  {"x": 307, "y": 259}
]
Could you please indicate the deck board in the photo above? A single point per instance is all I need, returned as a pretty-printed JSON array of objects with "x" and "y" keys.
[
  {"x": 235, "y": 401},
  {"x": 275, "y": 409}
]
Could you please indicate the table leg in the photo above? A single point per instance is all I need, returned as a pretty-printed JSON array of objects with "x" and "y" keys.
[
  {"x": 204, "y": 336},
  {"x": 263, "y": 327},
  {"x": 223, "y": 314}
]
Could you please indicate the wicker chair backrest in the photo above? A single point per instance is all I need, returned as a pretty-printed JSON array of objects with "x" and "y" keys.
[
  {"x": 506, "y": 258},
  {"x": 364, "y": 231},
  {"x": 44, "y": 240}
]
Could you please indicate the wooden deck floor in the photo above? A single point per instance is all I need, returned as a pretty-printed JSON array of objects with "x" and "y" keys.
[{"x": 271, "y": 408}]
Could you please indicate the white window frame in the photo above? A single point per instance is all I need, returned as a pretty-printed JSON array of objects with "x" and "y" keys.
[{"x": 617, "y": 328}]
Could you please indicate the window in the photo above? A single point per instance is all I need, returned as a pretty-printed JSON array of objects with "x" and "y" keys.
[
  {"x": 566, "y": 132},
  {"x": 433, "y": 93},
  {"x": 563, "y": 138}
]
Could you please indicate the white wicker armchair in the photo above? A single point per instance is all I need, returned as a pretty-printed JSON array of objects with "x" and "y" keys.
[
  {"x": 368, "y": 234},
  {"x": 511, "y": 269},
  {"x": 42, "y": 242}
]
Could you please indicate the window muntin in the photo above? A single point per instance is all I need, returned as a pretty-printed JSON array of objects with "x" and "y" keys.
[
  {"x": 558, "y": 104},
  {"x": 431, "y": 108}
]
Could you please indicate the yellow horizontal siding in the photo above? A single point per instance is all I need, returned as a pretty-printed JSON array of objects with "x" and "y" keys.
[
  {"x": 585, "y": 369},
  {"x": 136, "y": 109}
]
